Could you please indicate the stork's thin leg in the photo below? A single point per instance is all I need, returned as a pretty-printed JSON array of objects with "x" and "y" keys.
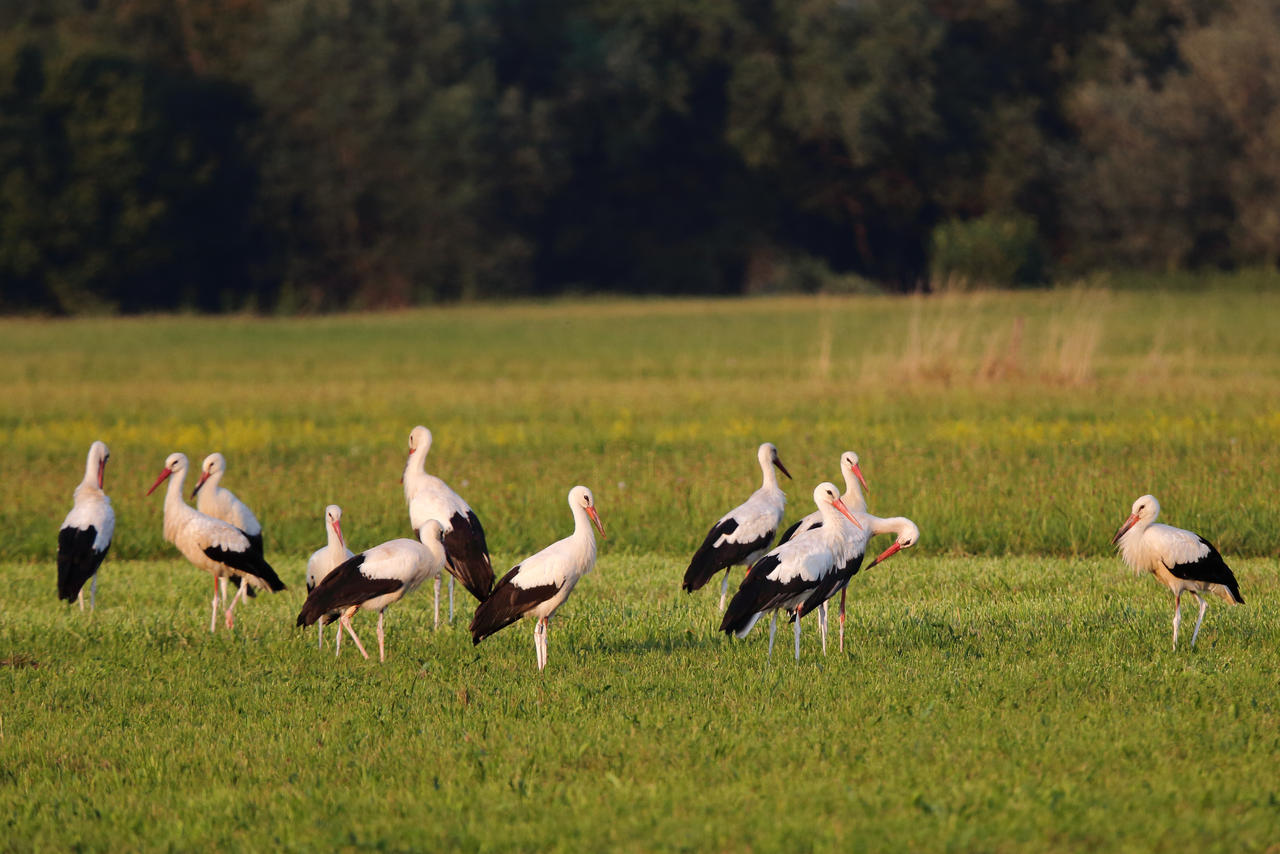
[
  {"x": 320, "y": 633},
  {"x": 346, "y": 622},
  {"x": 80, "y": 598},
  {"x": 537, "y": 642},
  {"x": 822, "y": 625},
  {"x": 451, "y": 600},
  {"x": 93, "y": 593},
  {"x": 797, "y": 637},
  {"x": 382, "y": 649},
  {"x": 337, "y": 640},
  {"x": 724, "y": 588},
  {"x": 1204, "y": 606},
  {"x": 773, "y": 630},
  {"x": 436, "y": 620},
  {"x": 221, "y": 582},
  {"x": 231, "y": 617},
  {"x": 213, "y": 618},
  {"x": 1177, "y": 617}
]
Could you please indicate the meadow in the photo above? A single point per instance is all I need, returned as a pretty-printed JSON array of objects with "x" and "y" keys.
[{"x": 1006, "y": 685}]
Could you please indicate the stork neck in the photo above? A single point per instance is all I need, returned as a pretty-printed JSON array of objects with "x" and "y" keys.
[
  {"x": 212, "y": 483},
  {"x": 891, "y": 525},
  {"x": 853, "y": 497},
  {"x": 415, "y": 471},
  {"x": 769, "y": 477},
  {"x": 173, "y": 492},
  {"x": 335, "y": 542}
]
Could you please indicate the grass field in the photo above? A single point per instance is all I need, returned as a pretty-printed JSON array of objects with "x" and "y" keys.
[{"x": 1007, "y": 685}]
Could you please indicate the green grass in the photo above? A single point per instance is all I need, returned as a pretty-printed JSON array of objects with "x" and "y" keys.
[{"x": 1007, "y": 685}]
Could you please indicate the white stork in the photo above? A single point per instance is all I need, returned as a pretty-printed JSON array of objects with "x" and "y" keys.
[
  {"x": 785, "y": 577},
  {"x": 213, "y": 500},
  {"x": 213, "y": 545},
  {"x": 540, "y": 584},
  {"x": 325, "y": 560},
  {"x": 742, "y": 535},
  {"x": 1180, "y": 560},
  {"x": 429, "y": 497},
  {"x": 907, "y": 536},
  {"x": 853, "y": 498},
  {"x": 374, "y": 580},
  {"x": 85, "y": 534}
]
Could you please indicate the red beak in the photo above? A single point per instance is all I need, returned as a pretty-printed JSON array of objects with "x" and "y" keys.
[
  {"x": 160, "y": 480},
  {"x": 857, "y": 471},
  {"x": 1128, "y": 523},
  {"x": 102, "y": 467},
  {"x": 886, "y": 554},
  {"x": 203, "y": 477},
  {"x": 595, "y": 517},
  {"x": 337, "y": 529},
  {"x": 839, "y": 505}
]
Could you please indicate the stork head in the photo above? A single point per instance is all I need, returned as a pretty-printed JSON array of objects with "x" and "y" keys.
[
  {"x": 419, "y": 437},
  {"x": 333, "y": 519},
  {"x": 1144, "y": 510},
  {"x": 826, "y": 495},
  {"x": 768, "y": 455},
  {"x": 908, "y": 536},
  {"x": 849, "y": 467},
  {"x": 580, "y": 496},
  {"x": 431, "y": 532},
  {"x": 98, "y": 456},
  {"x": 175, "y": 464},
  {"x": 212, "y": 467}
]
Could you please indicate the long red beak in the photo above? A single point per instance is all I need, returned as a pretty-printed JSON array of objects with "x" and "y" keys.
[
  {"x": 337, "y": 529},
  {"x": 160, "y": 480},
  {"x": 595, "y": 517},
  {"x": 102, "y": 468},
  {"x": 886, "y": 554},
  {"x": 1128, "y": 523},
  {"x": 204, "y": 475},
  {"x": 857, "y": 471},
  {"x": 840, "y": 505}
]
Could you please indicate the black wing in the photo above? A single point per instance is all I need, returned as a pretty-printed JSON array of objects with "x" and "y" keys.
[
  {"x": 1211, "y": 569},
  {"x": 506, "y": 604},
  {"x": 710, "y": 558},
  {"x": 760, "y": 593},
  {"x": 77, "y": 560},
  {"x": 342, "y": 588},
  {"x": 468, "y": 554},
  {"x": 248, "y": 563},
  {"x": 831, "y": 584}
]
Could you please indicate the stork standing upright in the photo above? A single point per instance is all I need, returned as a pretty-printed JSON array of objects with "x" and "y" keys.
[
  {"x": 212, "y": 499},
  {"x": 785, "y": 577},
  {"x": 1180, "y": 560},
  {"x": 86, "y": 533},
  {"x": 213, "y": 545},
  {"x": 429, "y": 497},
  {"x": 742, "y": 535},
  {"x": 325, "y": 560},
  {"x": 374, "y": 580},
  {"x": 540, "y": 584}
]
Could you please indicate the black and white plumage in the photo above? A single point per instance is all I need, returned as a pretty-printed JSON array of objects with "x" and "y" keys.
[
  {"x": 85, "y": 535},
  {"x": 907, "y": 536},
  {"x": 540, "y": 584},
  {"x": 212, "y": 499},
  {"x": 743, "y": 535},
  {"x": 787, "y": 576},
  {"x": 374, "y": 580},
  {"x": 325, "y": 560},
  {"x": 213, "y": 545},
  {"x": 1183, "y": 561},
  {"x": 429, "y": 497},
  {"x": 853, "y": 498}
]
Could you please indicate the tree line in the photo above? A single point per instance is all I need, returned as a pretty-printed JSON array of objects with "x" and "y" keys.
[{"x": 311, "y": 155}]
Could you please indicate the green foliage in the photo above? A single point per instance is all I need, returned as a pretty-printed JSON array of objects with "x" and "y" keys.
[{"x": 990, "y": 251}]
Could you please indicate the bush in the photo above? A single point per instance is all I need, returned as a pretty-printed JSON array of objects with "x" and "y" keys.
[{"x": 994, "y": 250}]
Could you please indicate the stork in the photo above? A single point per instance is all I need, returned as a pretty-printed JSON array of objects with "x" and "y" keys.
[
  {"x": 324, "y": 560},
  {"x": 742, "y": 535},
  {"x": 213, "y": 545},
  {"x": 1180, "y": 560},
  {"x": 785, "y": 577},
  {"x": 374, "y": 580},
  {"x": 213, "y": 500},
  {"x": 853, "y": 498},
  {"x": 907, "y": 536},
  {"x": 429, "y": 497},
  {"x": 540, "y": 584},
  {"x": 85, "y": 534}
]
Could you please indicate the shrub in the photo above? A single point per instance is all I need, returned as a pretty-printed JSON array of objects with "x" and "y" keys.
[{"x": 994, "y": 250}]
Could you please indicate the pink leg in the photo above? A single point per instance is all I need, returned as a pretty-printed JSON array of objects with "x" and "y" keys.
[
  {"x": 382, "y": 650},
  {"x": 346, "y": 623},
  {"x": 244, "y": 585},
  {"x": 842, "y": 593}
]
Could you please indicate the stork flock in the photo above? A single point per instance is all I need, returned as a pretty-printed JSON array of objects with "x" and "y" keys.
[{"x": 815, "y": 559}]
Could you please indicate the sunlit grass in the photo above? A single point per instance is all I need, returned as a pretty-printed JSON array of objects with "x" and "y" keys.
[{"x": 1007, "y": 684}]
